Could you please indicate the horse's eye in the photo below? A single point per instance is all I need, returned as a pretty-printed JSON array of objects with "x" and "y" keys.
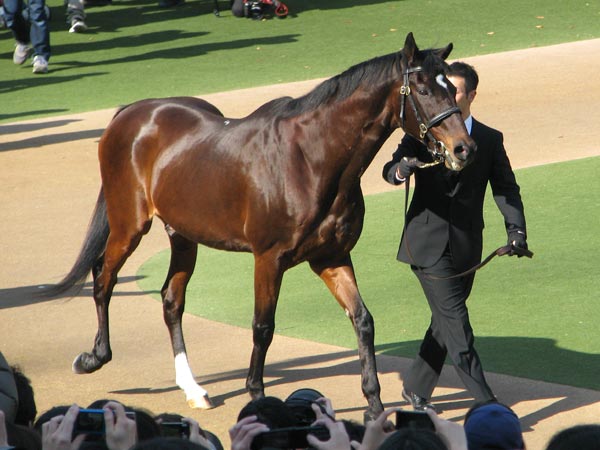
[{"x": 422, "y": 91}]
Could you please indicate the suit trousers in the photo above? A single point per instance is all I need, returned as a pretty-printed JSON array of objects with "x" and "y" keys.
[{"x": 449, "y": 333}]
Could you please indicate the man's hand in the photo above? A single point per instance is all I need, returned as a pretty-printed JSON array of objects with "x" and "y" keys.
[
  {"x": 407, "y": 167},
  {"x": 517, "y": 238}
]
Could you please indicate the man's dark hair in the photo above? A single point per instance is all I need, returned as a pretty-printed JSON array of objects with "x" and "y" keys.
[{"x": 466, "y": 71}]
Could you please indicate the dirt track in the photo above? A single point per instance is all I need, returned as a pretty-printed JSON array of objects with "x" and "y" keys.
[{"x": 541, "y": 100}]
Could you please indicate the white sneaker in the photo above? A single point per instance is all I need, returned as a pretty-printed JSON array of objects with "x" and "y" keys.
[
  {"x": 77, "y": 25},
  {"x": 40, "y": 65},
  {"x": 21, "y": 53}
]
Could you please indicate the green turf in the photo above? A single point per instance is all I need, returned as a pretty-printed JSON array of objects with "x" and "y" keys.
[
  {"x": 533, "y": 318},
  {"x": 135, "y": 50}
]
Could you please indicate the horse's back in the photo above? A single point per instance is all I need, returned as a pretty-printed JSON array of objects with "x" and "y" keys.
[{"x": 142, "y": 129}]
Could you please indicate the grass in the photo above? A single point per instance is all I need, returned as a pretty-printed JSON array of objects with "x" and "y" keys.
[
  {"x": 135, "y": 50},
  {"x": 533, "y": 318}
]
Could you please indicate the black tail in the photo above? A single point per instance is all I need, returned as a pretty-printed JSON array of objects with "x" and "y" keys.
[{"x": 93, "y": 247}]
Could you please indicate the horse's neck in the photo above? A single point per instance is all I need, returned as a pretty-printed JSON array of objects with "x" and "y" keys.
[{"x": 359, "y": 127}]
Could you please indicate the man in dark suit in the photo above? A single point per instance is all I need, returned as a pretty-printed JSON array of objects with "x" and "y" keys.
[{"x": 443, "y": 238}]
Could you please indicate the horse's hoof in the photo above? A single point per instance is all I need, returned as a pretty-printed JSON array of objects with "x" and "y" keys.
[
  {"x": 85, "y": 363},
  {"x": 203, "y": 402},
  {"x": 78, "y": 365}
]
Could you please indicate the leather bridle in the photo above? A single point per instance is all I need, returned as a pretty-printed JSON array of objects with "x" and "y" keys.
[{"x": 438, "y": 150}]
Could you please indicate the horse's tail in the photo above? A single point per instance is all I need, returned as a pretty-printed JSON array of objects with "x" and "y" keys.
[{"x": 92, "y": 248}]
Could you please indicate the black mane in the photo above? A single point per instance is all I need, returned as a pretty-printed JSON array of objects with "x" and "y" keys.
[
  {"x": 341, "y": 86},
  {"x": 370, "y": 73}
]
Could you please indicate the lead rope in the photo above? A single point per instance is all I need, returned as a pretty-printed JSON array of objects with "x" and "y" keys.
[{"x": 500, "y": 251}]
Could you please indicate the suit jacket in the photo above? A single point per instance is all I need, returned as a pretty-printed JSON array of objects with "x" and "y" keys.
[{"x": 447, "y": 207}]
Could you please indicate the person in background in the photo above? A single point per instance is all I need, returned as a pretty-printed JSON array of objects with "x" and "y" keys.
[
  {"x": 75, "y": 11},
  {"x": 31, "y": 32}
]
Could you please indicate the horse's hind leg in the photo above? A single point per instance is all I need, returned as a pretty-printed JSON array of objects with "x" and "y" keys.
[
  {"x": 341, "y": 281},
  {"x": 181, "y": 268},
  {"x": 119, "y": 246}
]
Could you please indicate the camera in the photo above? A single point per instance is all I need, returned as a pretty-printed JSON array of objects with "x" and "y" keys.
[
  {"x": 175, "y": 429},
  {"x": 292, "y": 437},
  {"x": 413, "y": 419},
  {"x": 91, "y": 421}
]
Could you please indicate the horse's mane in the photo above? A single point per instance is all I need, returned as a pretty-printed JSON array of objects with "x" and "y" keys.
[{"x": 340, "y": 87}]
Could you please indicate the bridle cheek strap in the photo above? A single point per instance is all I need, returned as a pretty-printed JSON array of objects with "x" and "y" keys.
[{"x": 439, "y": 150}]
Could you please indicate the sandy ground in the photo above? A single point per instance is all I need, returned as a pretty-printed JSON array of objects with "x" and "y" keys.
[{"x": 543, "y": 100}]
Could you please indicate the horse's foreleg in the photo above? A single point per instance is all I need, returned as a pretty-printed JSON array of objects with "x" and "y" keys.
[
  {"x": 181, "y": 268},
  {"x": 267, "y": 283},
  {"x": 105, "y": 272},
  {"x": 341, "y": 281}
]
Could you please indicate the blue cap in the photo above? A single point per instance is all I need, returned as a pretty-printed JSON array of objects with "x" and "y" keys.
[{"x": 493, "y": 425}]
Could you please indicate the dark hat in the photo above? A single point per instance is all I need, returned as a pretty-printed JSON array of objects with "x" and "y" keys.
[
  {"x": 300, "y": 402},
  {"x": 493, "y": 425}
]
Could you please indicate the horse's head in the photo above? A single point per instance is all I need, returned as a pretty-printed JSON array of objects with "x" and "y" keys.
[{"x": 428, "y": 108}]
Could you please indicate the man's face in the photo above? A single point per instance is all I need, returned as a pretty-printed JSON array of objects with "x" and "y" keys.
[{"x": 463, "y": 100}]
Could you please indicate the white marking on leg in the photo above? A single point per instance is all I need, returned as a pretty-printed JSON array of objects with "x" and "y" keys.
[
  {"x": 185, "y": 380},
  {"x": 440, "y": 80}
]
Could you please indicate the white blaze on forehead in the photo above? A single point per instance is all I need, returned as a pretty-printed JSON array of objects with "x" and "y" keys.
[{"x": 440, "y": 80}]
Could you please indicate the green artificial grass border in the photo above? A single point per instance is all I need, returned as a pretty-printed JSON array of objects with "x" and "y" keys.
[
  {"x": 532, "y": 318},
  {"x": 135, "y": 50}
]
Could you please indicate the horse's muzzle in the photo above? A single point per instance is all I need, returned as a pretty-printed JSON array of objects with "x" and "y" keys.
[{"x": 462, "y": 155}]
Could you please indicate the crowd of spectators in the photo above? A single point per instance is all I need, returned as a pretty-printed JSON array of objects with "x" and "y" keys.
[{"x": 305, "y": 419}]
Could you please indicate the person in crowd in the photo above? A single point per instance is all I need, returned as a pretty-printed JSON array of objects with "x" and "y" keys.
[
  {"x": 168, "y": 443},
  {"x": 120, "y": 430},
  {"x": 493, "y": 425},
  {"x": 271, "y": 411},
  {"x": 442, "y": 238},
  {"x": 9, "y": 396},
  {"x": 31, "y": 32},
  {"x": 176, "y": 425},
  {"x": 26, "y": 409},
  {"x": 577, "y": 437}
]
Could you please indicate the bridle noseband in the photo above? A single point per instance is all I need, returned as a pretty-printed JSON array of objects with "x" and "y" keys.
[{"x": 439, "y": 150}]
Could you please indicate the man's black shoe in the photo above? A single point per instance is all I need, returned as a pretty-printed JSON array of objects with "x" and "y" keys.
[{"x": 418, "y": 403}]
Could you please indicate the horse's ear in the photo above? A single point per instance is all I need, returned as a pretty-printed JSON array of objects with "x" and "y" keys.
[
  {"x": 444, "y": 52},
  {"x": 410, "y": 47}
]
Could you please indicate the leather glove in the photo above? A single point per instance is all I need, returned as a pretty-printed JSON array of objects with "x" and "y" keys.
[
  {"x": 517, "y": 238},
  {"x": 407, "y": 167}
]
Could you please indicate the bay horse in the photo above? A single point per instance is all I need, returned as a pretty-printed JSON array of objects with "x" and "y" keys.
[{"x": 282, "y": 183}]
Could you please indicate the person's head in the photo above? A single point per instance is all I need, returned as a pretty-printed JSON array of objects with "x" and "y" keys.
[
  {"x": 147, "y": 428},
  {"x": 580, "y": 437},
  {"x": 23, "y": 437},
  {"x": 26, "y": 410},
  {"x": 167, "y": 417},
  {"x": 465, "y": 80},
  {"x": 167, "y": 443},
  {"x": 271, "y": 411},
  {"x": 60, "y": 410},
  {"x": 413, "y": 439},
  {"x": 493, "y": 425},
  {"x": 300, "y": 403}
]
